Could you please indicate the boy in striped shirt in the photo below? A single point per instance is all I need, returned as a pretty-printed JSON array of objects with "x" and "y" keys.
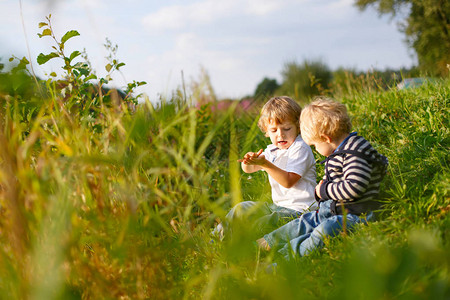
[{"x": 349, "y": 189}]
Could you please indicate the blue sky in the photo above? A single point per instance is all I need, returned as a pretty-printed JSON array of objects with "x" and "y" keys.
[{"x": 238, "y": 42}]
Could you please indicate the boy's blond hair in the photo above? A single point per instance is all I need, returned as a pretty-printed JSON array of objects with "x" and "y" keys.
[
  {"x": 278, "y": 110},
  {"x": 324, "y": 116}
]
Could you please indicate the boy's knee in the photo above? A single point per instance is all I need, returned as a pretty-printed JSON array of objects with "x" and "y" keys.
[
  {"x": 330, "y": 227},
  {"x": 239, "y": 210}
]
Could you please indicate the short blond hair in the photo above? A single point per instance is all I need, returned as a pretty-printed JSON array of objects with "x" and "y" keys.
[
  {"x": 324, "y": 116},
  {"x": 279, "y": 110}
]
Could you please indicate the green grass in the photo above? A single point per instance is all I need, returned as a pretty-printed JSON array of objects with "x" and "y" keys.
[{"x": 100, "y": 202}]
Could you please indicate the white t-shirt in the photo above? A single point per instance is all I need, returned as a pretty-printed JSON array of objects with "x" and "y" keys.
[{"x": 299, "y": 159}]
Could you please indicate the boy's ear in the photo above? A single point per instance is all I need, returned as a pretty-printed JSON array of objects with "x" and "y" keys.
[{"x": 325, "y": 138}]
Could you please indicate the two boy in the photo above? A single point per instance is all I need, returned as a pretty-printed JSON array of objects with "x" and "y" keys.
[
  {"x": 350, "y": 186},
  {"x": 347, "y": 193}
]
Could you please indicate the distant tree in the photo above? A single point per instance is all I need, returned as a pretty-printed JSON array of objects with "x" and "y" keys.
[
  {"x": 347, "y": 81},
  {"x": 303, "y": 81},
  {"x": 343, "y": 80},
  {"x": 266, "y": 88},
  {"x": 426, "y": 26}
]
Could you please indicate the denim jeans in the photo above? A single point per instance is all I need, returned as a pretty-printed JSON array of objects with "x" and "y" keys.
[
  {"x": 259, "y": 217},
  {"x": 304, "y": 234}
]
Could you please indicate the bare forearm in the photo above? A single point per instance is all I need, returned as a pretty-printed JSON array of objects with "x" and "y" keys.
[
  {"x": 284, "y": 178},
  {"x": 250, "y": 168},
  {"x": 253, "y": 162}
]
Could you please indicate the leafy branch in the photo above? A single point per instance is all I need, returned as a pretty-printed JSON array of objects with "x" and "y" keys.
[
  {"x": 74, "y": 71},
  {"x": 77, "y": 89}
]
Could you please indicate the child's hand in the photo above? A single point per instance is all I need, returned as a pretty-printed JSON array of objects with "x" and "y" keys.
[
  {"x": 252, "y": 158},
  {"x": 318, "y": 188}
]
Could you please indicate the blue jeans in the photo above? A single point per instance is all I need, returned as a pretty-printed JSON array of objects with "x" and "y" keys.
[
  {"x": 304, "y": 234},
  {"x": 260, "y": 217}
]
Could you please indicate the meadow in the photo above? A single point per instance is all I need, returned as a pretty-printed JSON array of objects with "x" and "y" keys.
[{"x": 102, "y": 199}]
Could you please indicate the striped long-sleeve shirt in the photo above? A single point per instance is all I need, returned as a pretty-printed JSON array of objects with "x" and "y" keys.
[{"x": 353, "y": 174}]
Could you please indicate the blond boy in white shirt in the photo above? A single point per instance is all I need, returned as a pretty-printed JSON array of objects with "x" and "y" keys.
[{"x": 290, "y": 164}]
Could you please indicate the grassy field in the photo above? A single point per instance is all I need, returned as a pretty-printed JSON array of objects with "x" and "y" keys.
[{"x": 103, "y": 201}]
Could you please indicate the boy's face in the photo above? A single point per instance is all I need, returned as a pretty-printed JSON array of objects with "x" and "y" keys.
[
  {"x": 282, "y": 135},
  {"x": 323, "y": 147}
]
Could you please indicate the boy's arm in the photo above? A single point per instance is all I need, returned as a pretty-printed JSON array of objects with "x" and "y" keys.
[
  {"x": 356, "y": 177},
  {"x": 300, "y": 161},
  {"x": 253, "y": 162},
  {"x": 250, "y": 168},
  {"x": 286, "y": 179}
]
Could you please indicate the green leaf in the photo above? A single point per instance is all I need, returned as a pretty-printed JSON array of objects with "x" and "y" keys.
[
  {"x": 82, "y": 68},
  {"x": 45, "y": 32},
  {"x": 42, "y": 58},
  {"x": 74, "y": 54},
  {"x": 85, "y": 71},
  {"x": 68, "y": 35},
  {"x": 120, "y": 65},
  {"x": 92, "y": 76},
  {"x": 42, "y": 24},
  {"x": 108, "y": 67}
]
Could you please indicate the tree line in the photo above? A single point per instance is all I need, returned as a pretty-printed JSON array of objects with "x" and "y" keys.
[
  {"x": 313, "y": 77},
  {"x": 426, "y": 26}
]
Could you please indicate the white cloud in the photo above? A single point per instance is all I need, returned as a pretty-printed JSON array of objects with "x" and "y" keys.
[
  {"x": 180, "y": 16},
  {"x": 167, "y": 18},
  {"x": 262, "y": 7},
  {"x": 94, "y": 4},
  {"x": 188, "y": 55},
  {"x": 206, "y": 12},
  {"x": 189, "y": 52}
]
